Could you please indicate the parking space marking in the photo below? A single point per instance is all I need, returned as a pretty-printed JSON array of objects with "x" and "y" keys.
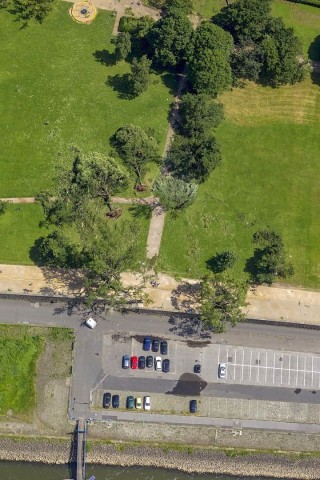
[
  {"x": 274, "y": 366},
  {"x": 304, "y": 373},
  {"x": 265, "y": 377},
  {"x": 242, "y": 364},
  {"x": 312, "y": 372},
  {"x": 281, "y": 370},
  {"x": 289, "y": 369},
  {"x": 258, "y": 369},
  {"x": 250, "y": 363},
  {"x": 235, "y": 363}
]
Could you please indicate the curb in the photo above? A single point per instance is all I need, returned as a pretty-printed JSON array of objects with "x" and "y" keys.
[{"x": 150, "y": 311}]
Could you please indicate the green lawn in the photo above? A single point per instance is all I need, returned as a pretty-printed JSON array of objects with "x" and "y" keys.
[
  {"x": 19, "y": 229},
  {"x": 52, "y": 73},
  {"x": 20, "y": 347},
  {"x": 269, "y": 177}
]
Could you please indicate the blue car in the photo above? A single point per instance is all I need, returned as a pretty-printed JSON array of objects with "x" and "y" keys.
[{"x": 146, "y": 344}]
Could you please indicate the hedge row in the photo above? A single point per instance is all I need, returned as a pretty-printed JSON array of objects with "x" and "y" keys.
[{"x": 314, "y": 3}]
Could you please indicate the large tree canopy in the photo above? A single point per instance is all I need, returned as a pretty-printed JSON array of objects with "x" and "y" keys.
[
  {"x": 209, "y": 59},
  {"x": 281, "y": 50},
  {"x": 221, "y": 301},
  {"x": 122, "y": 44},
  {"x": 139, "y": 79},
  {"x": 269, "y": 260},
  {"x": 194, "y": 158},
  {"x": 28, "y": 9},
  {"x": 199, "y": 114},
  {"x": 136, "y": 148},
  {"x": 169, "y": 38},
  {"x": 245, "y": 19}
]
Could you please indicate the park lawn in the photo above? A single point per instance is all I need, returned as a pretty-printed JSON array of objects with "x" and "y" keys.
[
  {"x": 19, "y": 229},
  {"x": 207, "y": 8},
  {"x": 59, "y": 86},
  {"x": 269, "y": 177},
  {"x": 20, "y": 348}
]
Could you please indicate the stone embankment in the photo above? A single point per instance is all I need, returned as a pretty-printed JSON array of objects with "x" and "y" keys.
[{"x": 187, "y": 459}]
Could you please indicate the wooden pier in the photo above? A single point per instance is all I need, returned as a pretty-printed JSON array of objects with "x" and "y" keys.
[{"x": 81, "y": 449}]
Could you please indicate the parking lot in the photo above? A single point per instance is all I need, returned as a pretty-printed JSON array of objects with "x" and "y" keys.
[{"x": 267, "y": 367}]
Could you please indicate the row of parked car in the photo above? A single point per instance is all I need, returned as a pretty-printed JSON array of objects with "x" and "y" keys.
[
  {"x": 155, "y": 344},
  {"x": 131, "y": 402},
  {"x": 143, "y": 362}
]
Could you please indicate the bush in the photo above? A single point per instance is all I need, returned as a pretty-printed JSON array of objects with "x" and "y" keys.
[{"x": 127, "y": 24}]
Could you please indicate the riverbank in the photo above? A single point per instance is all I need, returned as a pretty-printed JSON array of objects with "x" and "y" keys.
[{"x": 186, "y": 459}]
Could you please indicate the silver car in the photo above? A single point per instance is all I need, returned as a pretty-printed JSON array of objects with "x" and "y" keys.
[
  {"x": 158, "y": 364},
  {"x": 222, "y": 370}
]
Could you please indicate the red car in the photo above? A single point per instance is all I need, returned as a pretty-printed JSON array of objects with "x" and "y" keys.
[{"x": 134, "y": 362}]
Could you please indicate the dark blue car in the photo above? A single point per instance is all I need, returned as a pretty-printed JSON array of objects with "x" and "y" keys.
[{"x": 146, "y": 344}]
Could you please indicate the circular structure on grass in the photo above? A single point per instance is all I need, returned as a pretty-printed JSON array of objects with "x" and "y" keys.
[{"x": 83, "y": 12}]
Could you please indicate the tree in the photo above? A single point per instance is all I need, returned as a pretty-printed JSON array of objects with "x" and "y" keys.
[
  {"x": 221, "y": 300},
  {"x": 140, "y": 70},
  {"x": 222, "y": 261},
  {"x": 92, "y": 176},
  {"x": 208, "y": 59},
  {"x": 122, "y": 44},
  {"x": 199, "y": 114},
  {"x": 179, "y": 6},
  {"x": 174, "y": 193},
  {"x": 169, "y": 38},
  {"x": 246, "y": 62},
  {"x": 280, "y": 50},
  {"x": 245, "y": 19},
  {"x": 136, "y": 148},
  {"x": 269, "y": 260},
  {"x": 3, "y": 206},
  {"x": 194, "y": 158},
  {"x": 32, "y": 9}
]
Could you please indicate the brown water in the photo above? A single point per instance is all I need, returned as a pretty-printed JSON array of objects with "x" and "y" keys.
[{"x": 35, "y": 471}]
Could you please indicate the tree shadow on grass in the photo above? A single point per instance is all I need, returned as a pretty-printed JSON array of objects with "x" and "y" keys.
[
  {"x": 105, "y": 57},
  {"x": 122, "y": 85},
  {"x": 140, "y": 211},
  {"x": 214, "y": 263},
  {"x": 314, "y": 49}
]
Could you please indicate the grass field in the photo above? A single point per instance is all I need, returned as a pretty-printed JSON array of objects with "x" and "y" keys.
[
  {"x": 269, "y": 177},
  {"x": 63, "y": 73},
  {"x": 20, "y": 347}
]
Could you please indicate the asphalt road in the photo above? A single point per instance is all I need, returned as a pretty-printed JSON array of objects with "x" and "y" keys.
[{"x": 87, "y": 371}]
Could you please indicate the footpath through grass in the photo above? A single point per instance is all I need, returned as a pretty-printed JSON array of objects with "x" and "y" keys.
[
  {"x": 20, "y": 347},
  {"x": 269, "y": 177},
  {"x": 59, "y": 86}
]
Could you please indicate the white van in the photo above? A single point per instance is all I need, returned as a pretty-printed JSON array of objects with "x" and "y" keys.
[{"x": 91, "y": 323}]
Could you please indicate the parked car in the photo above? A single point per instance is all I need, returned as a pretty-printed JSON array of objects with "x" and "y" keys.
[
  {"x": 134, "y": 362},
  {"x": 164, "y": 347},
  {"x": 142, "y": 362},
  {"x": 197, "y": 368},
  {"x": 138, "y": 403},
  {"x": 147, "y": 403},
  {"x": 91, "y": 323},
  {"x": 193, "y": 406},
  {"x": 149, "y": 361},
  {"x": 158, "y": 364},
  {"x": 106, "y": 402},
  {"x": 166, "y": 365},
  {"x": 130, "y": 402},
  {"x": 222, "y": 370},
  {"x": 155, "y": 345},
  {"x": 115, "y": 401},
  {"x": 125, "y": 361},
  {"x": 146, "y": 344}
]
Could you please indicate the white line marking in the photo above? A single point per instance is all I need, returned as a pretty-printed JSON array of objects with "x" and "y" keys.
[
  {"x": 281, "y": 370},
  {"x": 297, "y": 370},
  {"x": 266, "y": 367},
  {"x": 274, "y": 365},
  {"x": 235, "y": 363},
  {"x": 250, "y": 363},
  {"x": 304, "y": 373},
  {"x": 289, "y": 369},
  {"x": 312, "y": 372},
  {"x": 242, "y": 365},
  {"x": 258, "y": 372},
  {"x": 219, "y": 355}
]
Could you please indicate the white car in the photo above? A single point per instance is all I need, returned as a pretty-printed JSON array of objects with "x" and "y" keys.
[
  {"x": 147, "y": 403},
  {"x": 222, "y": 370},
  {"x": 91, "y": 323},
  {"x": 158, "y": 364}
]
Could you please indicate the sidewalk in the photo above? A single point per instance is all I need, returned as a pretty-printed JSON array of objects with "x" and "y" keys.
[{"x": 276, "y": 303}]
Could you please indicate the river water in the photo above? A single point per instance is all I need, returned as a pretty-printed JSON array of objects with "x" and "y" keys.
[{"x": 35, "y": 471}]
